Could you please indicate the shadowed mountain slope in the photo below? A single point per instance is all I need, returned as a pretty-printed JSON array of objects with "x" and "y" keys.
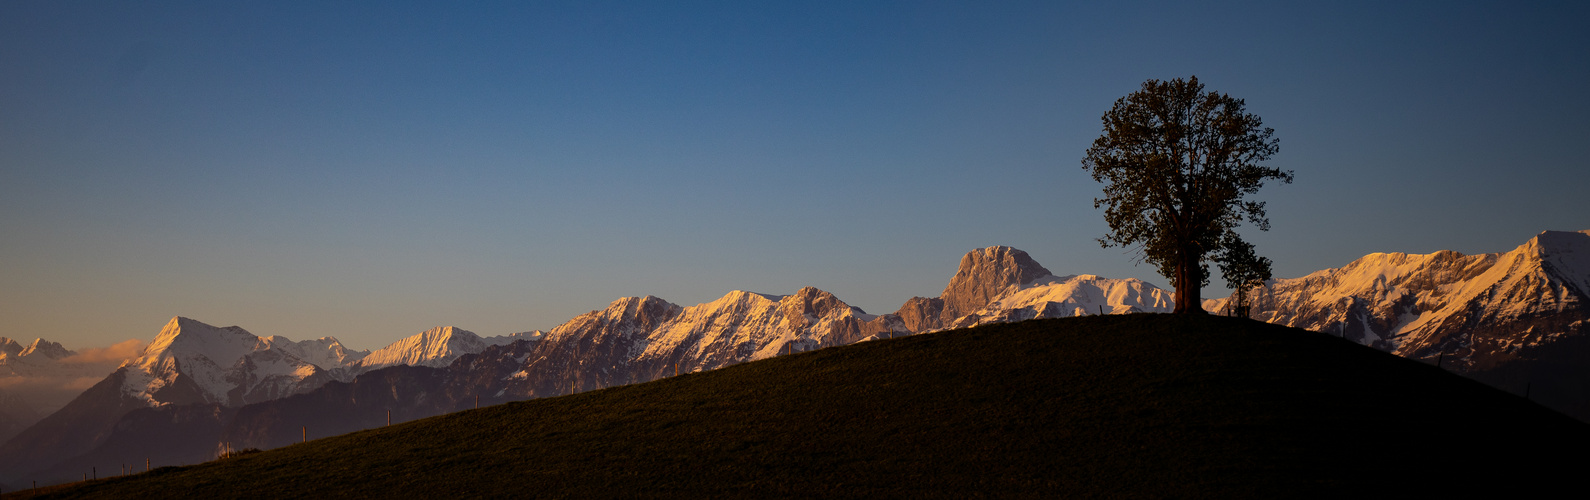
[{"x": 1142, "y": 405}]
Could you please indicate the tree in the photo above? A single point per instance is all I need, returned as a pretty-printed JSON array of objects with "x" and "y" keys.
[
  {"x": 1176, "y": 162},
  {"x": 1243, "y": 270}
]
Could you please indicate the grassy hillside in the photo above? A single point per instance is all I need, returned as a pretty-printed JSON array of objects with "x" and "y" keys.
[{"x": 1132, "y": 405}]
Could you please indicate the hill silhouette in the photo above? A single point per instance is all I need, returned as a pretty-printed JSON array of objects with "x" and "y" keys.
[{"x": 1128, "y": 405}]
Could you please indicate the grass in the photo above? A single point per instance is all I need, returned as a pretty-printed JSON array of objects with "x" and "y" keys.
[{"x": 1102, "y": 406}]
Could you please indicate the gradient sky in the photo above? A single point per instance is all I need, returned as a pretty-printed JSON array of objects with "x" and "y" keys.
[{"x": 368, "y": 171}]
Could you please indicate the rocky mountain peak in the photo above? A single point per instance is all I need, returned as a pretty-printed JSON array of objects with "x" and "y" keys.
[
  {"x": 984, "y": 274},
  {"x": 9, "y": 346},
  {"x": 193, "y": 335},
  {"x": 435, "y": 347},
  {"x": 644, "y": 312},
  {"x": 1564, "y": 255},
  {"x": 41, "y": 347},
  {"x": 810, "y": 301}
]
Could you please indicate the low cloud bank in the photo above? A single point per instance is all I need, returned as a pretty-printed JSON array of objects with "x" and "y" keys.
[{"x": 113, "y": 355}]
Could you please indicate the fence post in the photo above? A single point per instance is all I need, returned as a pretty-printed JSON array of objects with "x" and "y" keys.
[{"x": 305, "y": 430}]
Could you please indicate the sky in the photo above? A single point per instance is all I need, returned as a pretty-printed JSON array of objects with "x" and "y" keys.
[{"x": 371, "y": 170}]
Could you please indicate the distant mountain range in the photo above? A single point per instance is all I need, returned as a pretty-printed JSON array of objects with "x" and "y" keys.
[
  {"x": 39, "y": 378},
  {"x": 1498, "y": 317},
  {"x": 1517, "y": 320}
]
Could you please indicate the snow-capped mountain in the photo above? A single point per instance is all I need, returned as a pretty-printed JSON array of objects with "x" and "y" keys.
[
  {"x": 1525, "y": 304},
  {"x": 636, "y": 339},
  {"x": 532, "y": 336},
  {"x": 1519, "y": 320},
  {"x": 1475, "y": 311},
  {"x": 1001, "y": 284},
  {"x": 435, "y": 347},
  {"x": 41, "y": 357},
  {"x": 1065, "y": 296},
  {"x": 592, "y": 350},
  {"x": 187, "y": 363},
  {"x": 41, "y": 377},
  {"x": 744, "y": 326},
  {"x": 190, "y": 362}
]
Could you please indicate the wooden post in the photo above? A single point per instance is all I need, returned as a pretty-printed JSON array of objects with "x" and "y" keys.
[
  {"x": 96, "y": 471},
  {"x": 477, "y": 401},
  {"x": 146, "y": 464},
  {"x": 389, "y": 418},
  {"x": 305, "y": 430},
  {"x": 1101, "y": 309}
]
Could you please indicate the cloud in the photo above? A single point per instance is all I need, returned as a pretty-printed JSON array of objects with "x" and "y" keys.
[{"x": 115, "y": 354}]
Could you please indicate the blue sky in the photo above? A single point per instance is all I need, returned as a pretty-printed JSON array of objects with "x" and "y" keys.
[{"x": 371, "y": 170}]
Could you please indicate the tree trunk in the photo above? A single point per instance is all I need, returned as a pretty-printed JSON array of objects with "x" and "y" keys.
[{"x": 1189, "y": 291}]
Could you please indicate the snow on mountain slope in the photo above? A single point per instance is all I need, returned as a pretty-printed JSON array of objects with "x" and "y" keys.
[
  {"x": 1077, "y": 295},
  {"x": 1001, "y": 284},
  {"x": 1475, "y": 311},
  {"x": 40, "y": 358},
  {"x": 744, "y": 326},
  {"x": 191, "y": 362},
  {"x": 532, "y": 336},
  {"x": 435, "y": 347},
  {"x": 325, "y": 352},
  {"x": 593, "y": 350}
]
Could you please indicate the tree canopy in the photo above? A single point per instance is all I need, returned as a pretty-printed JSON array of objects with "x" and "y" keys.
[{"x": 1176, "y": 163}]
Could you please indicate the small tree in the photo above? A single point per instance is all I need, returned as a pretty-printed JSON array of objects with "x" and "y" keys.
[
  {"x": 1176, "y": 162},
  {"x": 1243, "y": 270}
]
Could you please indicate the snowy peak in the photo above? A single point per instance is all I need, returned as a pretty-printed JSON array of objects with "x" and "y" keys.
[
  {"x": 628, "y": 317},
  {"x": 40, "y": 358},
  {"x": 436, "y": 347},
  {"x": 985, "y": 274},
  {"x": 532, "y": 336},
  {"x": 809, "y": 303},
  {"x": 325, "y": 352},
  {"x": 1078, "y": 295},
  {"x": 9, "y": 347},
  {"x": 186, "y": 337},
  {"x": 1565, "y": 256},
  {"x": 41, "y": 347},
  {"x": 1477, "y": 311},
  {"x": 193, "y": 362},
  {"x": 743, "y": 326},
  {"x": 1002, "y": 284},
  {"x": 39, "y": 351}
]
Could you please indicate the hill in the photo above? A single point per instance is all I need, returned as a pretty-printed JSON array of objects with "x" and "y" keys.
[{"x": 1139, "y": 404}]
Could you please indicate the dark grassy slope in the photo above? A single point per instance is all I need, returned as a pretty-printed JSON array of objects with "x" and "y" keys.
[{"x": 1114, "y": 405}]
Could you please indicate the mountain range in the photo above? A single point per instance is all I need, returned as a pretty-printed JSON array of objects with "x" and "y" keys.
[
  {"x": 1496, "y": 317},
  {"x": 1516, "y": 320},
  {"x": 39, "y": 378}
]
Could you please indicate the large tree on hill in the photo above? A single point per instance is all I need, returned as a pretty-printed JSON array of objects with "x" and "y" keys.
[{"x": 1176, "y": 162}]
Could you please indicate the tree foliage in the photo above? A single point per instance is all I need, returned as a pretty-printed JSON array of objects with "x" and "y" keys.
[
  {"x": 1176, "y": 163},
  {"x": 1243, "y": 271}
]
